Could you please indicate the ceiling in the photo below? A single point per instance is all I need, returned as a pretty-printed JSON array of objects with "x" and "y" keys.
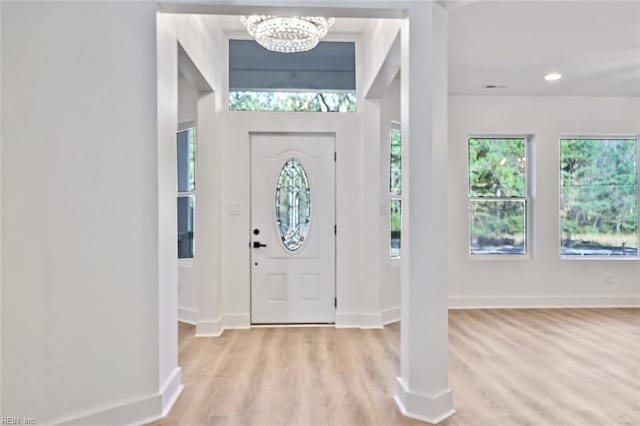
[{"x": 595, "y": 45}]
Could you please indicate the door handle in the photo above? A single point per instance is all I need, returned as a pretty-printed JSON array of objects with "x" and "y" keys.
[{"x": 258, "y": 244}]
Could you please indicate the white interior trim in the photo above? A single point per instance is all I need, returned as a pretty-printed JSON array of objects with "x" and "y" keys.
[
  {"x": 540, "y": 302},
  {"x": 215, "y": 328},
  {"x": 187, "y": 315},
  {"x": 432, "y": 409},
  {"x": 137, "y": 411},
  {"x": 363, "y": 321},
  {"x": 391, "y": 315}
]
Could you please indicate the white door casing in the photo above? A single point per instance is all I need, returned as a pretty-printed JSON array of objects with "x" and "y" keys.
[{"x": 292, "y": 286}]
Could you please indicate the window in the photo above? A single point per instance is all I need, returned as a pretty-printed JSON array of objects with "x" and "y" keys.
[
  {"x": 320, "y": 80},
  {"x": 498, "y": 195},
  {"x": 599, "y": 197},
  {"x": 395, "y": 188},
  {"x": 186, "y": 192}
]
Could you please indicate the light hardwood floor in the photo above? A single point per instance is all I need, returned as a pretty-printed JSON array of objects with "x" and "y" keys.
[{"x": 507, "y": 367}]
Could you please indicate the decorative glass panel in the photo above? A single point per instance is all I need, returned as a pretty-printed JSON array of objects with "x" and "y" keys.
[{"x": 293, "y": 205}]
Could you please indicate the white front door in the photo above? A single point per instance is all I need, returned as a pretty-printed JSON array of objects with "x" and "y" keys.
[{"x": 292, "y": 228}]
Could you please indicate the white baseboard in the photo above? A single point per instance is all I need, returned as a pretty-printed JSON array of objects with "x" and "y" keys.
[
  {"x": 391, "y": 315},
  {"x": 215, "y": 328},
  {"x": 171, "y": 390},
  {"x": 187, "y": 315},
  {"x": 432, "y": 409},
  {"x": 209, "y": 328},
  {"x": 236, "y": 321},
  {"x": 137, "y": 411},
  {"x": 365, "y": 321},
  {"x": 534, "y": 302}
]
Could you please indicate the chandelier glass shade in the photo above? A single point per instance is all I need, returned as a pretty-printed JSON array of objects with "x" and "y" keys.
[{"x": 287, "y": 34}]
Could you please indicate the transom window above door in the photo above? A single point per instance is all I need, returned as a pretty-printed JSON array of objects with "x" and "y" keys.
[{"x": 320, "y": 80}]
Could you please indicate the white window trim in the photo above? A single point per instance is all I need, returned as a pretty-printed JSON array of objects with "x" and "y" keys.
[
  {"x": 528, "y": 198},
  {"x": 600, "y": 136}
]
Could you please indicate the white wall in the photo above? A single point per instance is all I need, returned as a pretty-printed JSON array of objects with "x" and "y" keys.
[
  {"x": 0, "y": 208},
  {"x": 187, "y": 101},
  {"x": 89, "y": 266},
  {"x": 79, "y": 210},
  {"x": 202, "y": 41},
  {"x": 236, "y": 207},
  {"x": 389, "y": 268},
  {"x": 358, "y": 202},
  {"x": 542, "y": 279},
  {"x": 187, "y": 277},
  {"x": 377, "y": 70}
]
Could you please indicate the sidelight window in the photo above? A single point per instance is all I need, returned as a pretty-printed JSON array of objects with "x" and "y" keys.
[
  {"x": 186, "y": 192},
  {"x": 395, "y": 188}
]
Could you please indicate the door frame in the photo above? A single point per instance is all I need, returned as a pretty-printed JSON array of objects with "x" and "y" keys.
[{"x": 333, "y": 137}]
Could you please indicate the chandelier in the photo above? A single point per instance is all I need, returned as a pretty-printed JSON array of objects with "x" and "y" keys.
[{"x": 287, "y": 34}]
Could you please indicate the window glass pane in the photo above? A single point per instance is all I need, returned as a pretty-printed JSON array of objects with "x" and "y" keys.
[
  {"x": 186, "y": 207},
  {"x": 186, "y": 161},
  {"x": 498, "y": 227},
  {"x": 497, "y": 167},
  {"x": 312, "y": 101},
  {"x": 395, "y": 181},
  {"x": 320, "y": 80},
  {"x": 293, "y": 205},
  {"x": 599, "y": 197},
  {"x": 396, "y": 227}
]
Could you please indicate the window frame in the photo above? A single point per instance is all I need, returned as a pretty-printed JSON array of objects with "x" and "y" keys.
[
  {"x": 184, "y": 127},
  {"x": 243, "y": 35},
  {"x": 599, "y": 136},
  {"x": 527, "y": 199},
  {"x": 395, "y": 127}
]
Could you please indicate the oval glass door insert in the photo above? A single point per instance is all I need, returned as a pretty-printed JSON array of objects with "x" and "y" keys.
[{"x": 293, "y": 205}]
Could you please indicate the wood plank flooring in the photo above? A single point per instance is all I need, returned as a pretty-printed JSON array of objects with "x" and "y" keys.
[{"x": 507, "y": 367}]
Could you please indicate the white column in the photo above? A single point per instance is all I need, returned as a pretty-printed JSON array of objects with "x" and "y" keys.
[
  {"x": 423, "y": 391},
  {"x": 370, "y": 290},
  {"x": 208, "y": 214}
]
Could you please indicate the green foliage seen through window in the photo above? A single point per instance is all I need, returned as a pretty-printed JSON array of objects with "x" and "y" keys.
[{"x": 599, "y": 196}]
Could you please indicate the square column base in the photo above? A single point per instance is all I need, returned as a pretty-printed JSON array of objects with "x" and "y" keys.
[{"x": 427, "y": 408}]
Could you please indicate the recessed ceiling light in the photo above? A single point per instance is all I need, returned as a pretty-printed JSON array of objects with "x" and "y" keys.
[{"x": 553, "y": 76}]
